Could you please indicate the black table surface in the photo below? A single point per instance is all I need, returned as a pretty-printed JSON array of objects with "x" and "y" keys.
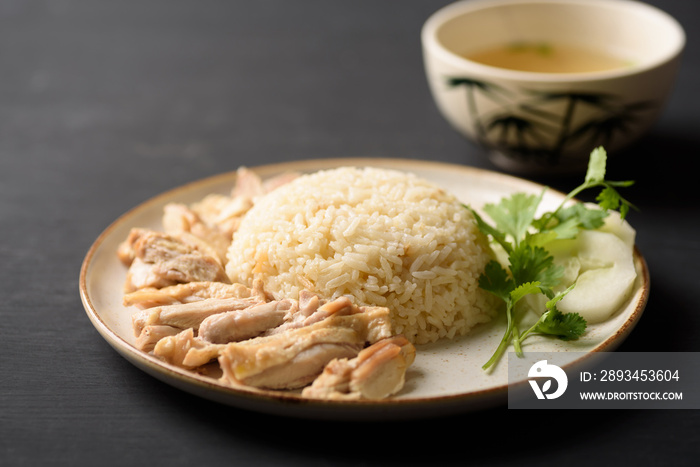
[{"x": 106, "y": 104}]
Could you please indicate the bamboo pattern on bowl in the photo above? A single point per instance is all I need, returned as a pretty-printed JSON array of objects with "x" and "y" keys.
[{"x": 545, "y": 124}]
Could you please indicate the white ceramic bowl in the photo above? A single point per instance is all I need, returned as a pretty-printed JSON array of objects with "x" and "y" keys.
[{"x": 549, "y": 122}]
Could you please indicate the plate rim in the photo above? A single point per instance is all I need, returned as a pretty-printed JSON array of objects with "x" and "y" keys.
[{"x": 161, "y": 370}]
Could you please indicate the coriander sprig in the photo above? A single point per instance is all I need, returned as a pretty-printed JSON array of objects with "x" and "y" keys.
[
  {"x": 609, "y": 199},
  {"x": 531, "y": 269}
]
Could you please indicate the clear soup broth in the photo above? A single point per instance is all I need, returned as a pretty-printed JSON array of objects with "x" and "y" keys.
[{"x": 548, "y": 58}]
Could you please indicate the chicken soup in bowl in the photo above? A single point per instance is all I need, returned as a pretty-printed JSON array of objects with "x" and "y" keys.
[{"x": 539, "y": 84}]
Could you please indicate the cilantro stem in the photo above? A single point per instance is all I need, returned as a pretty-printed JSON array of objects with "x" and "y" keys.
[
  {"x": 526, "y": 333},
  {"x": 505, "y": 341},
  {"x": 517, "y": 338},
  {"x": 571, "y": 195},
  {"x": 499, "y": 350}
]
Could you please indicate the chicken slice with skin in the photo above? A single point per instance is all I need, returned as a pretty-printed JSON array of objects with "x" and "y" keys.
[
  {"x": 150, "y": 335},
  {"x": 238, "y": 325},
  {"x": 291, "y": 361},
  {"x": 312, "y": 309},
  {"x": 294, "y": 358},
  {"x": 185, "y": 350},
  {"x": 188, "y": 315},
  {"x": 189, "y": 292},
  {"x": 377, "y": 372}
]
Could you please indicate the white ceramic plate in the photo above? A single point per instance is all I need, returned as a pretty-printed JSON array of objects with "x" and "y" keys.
[{"x": 446, "y": 376}]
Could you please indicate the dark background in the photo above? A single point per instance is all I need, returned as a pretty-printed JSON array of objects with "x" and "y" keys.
[{"x": 105, "y": 104}]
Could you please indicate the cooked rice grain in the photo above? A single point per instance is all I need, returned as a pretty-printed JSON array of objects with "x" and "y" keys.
[{"x": 383, "y": 237}]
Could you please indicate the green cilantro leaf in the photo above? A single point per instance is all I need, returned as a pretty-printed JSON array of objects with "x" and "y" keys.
[
  {"x": 596, "y": 166},
  {"x": 528, "y": 288},
  {"x": 534, "y": 264},
  {"x": 514, "y": 215},
  {"x": 487, "y": 229},
  {"x": 608, "y": 198},
  {"x": 565, "y": 326},
  {"x": 496, "y": 280},
  {"x": 582, "y": 216},
  {"x": 540, "y": 238}
]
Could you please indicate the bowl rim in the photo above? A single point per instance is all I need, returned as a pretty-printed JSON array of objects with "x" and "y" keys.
[{"x": 463, "y": 7}]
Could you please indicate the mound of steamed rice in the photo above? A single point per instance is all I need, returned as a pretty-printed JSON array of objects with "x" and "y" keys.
[{"x": 381, "y": 237}]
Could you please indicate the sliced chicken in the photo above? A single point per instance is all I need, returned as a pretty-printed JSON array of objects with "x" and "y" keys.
[
  {"x": 248, "y": 184},
  {"x": 292, "y": 359},
  {"x": 339, "y": 307},
  {"x": 377, "y": 372},
  {"x": 185, "y": 350},
  {"x": 160, "y": 260},
  {"x": 373, "y": 321},
  {"x": 312, "y": 309},
  {"x": 188, "y": 315},
  {"x": 189, "y": 292},
  {"x": 125, "y": 251},
  {"x": 152, "y": 245},
  {"x": 223, "y": 213},
  {"x": 239, "y": 325},
  {"x": 179, "y": 219},
  {"x": 145, "y": 275},
  {"x": 150, "y": 335},
  {"x": 201, "y": 353}
]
